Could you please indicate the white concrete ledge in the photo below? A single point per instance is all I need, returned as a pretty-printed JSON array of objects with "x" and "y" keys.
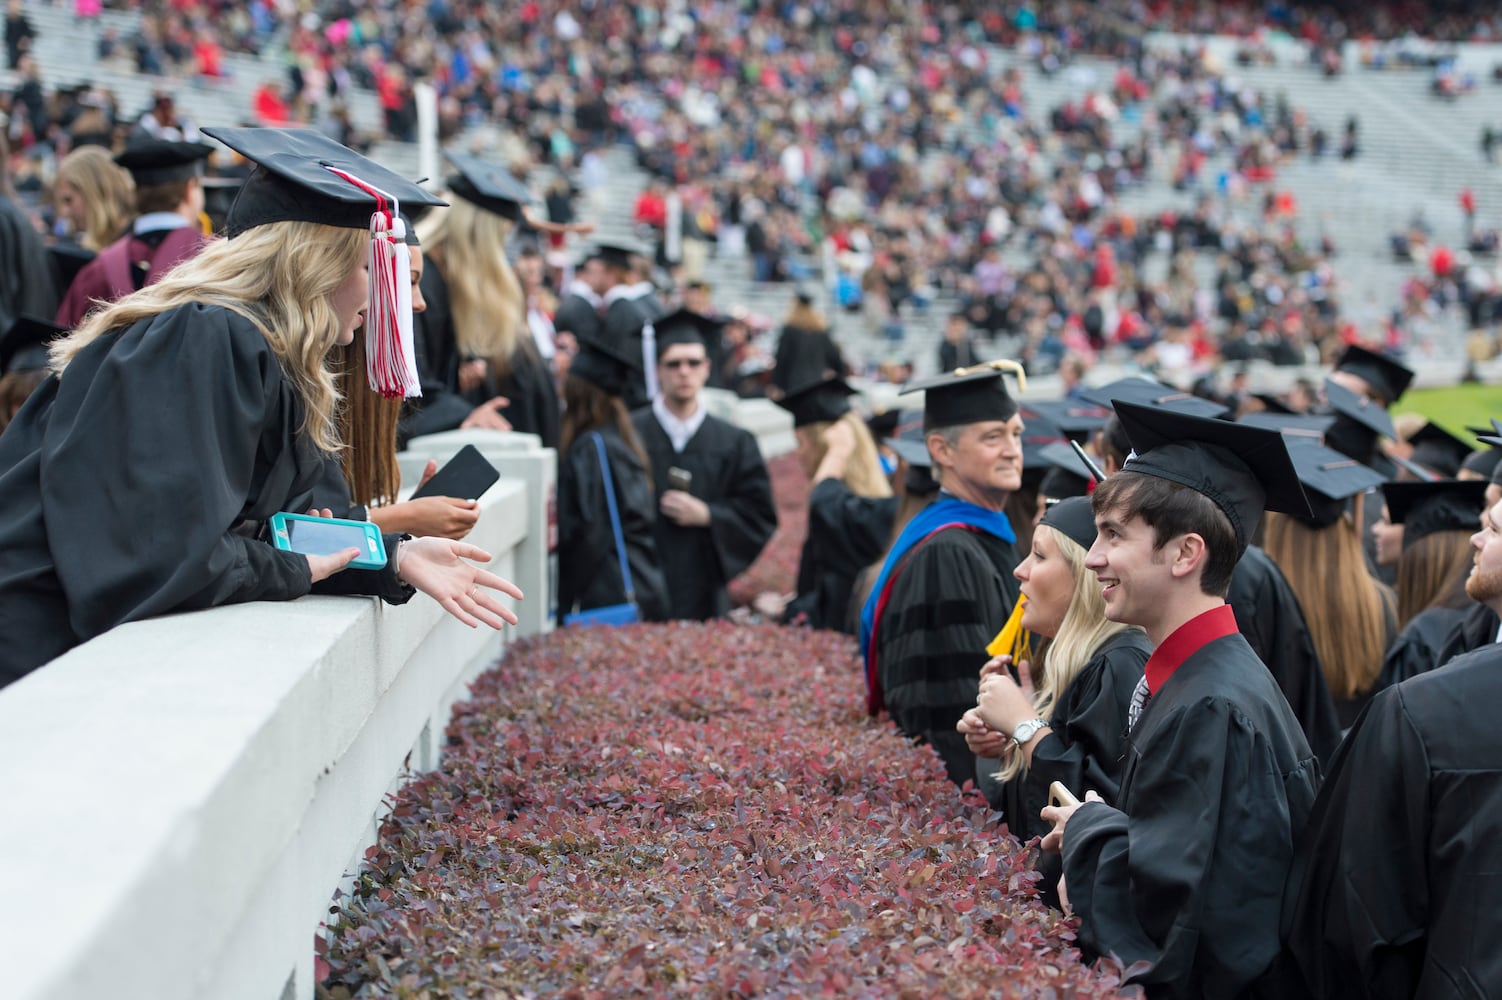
[{"x": 182, "y": 796}]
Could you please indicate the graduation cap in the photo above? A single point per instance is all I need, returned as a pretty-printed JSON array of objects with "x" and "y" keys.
[
  {"x": 883, "y": 425},
  {"x": 1309, "y": 425},
  {"x": 1074, "y": 518},
  {"x": 23, "y": 348},
  {"x": 1329, "y": 478},
  {"x": 1146, "y": 392},
  {"x": 817, "y": 402},
  {"x": 1481, "y": 464},
  {"x": 683, "y": 326},
  {"x": 1065, "y": 475},
  {"x": 1437, "y": 450},
  {"x": 1358, "y": 422},
  {"x": 1272, "y": 403},
  {"x": 487, "y": 186},
  {"x": 968, "y": 395},
  {"x": 1443, "y": 505},
  {"x": 604, "y": 365},
  {"x": 1074, "y": 418},
  {"x": 909, "y": 440},
  {"x": 1242, "y": 470},
  {"x": 158, "y": 161},
  {"x": 618, "y": 253},
  {"x": 303, "y": 175},
  {"x": 1387, "y": 377}
]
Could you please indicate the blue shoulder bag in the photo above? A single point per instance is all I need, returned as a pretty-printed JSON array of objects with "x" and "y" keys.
[{"x": 611, "y": 614}]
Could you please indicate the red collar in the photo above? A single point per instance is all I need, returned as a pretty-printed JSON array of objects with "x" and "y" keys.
[{"x": 1186, "y": 640}]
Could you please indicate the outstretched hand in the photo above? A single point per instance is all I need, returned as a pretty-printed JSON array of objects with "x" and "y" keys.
[{"x": 437, "y": 567}]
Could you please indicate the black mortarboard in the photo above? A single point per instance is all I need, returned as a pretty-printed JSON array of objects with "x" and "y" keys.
[
  {"x": 967, "y": 395},
  {"x": 1310, "y": 425},
  {"x": 158, "y": 161},
  {"x": 1074, "y": 418},
  {"x": 292, "y": 180},
  {"x": 1074, "y": 518},
  {"x": 1443, "y": 505},
  {"x": 683, "y": 326},
  {"x": 1242, "y": 470},
  {"x": 817, "y": 402},
  {"x": 1387, "y": 377},
  {"x": 487, "y": 186},
  {"x": 618, "y": 252},
  {"x": 1066, "y": 475},
  {"x": 1437, "y": 450},
  {"x": 1329, "y": 478},
  {"x": 604, "y": 365},
  {"x": 883, "y": 425},
  {"x": 1145, "y": 392},
  {"x": 1484, "y": 462},
  {"x": 1354, "y": 406},
  {"x": 909, "y": 440},
  {"x": 23, "y": 348},
  {"x": 1272, "y": 403}
]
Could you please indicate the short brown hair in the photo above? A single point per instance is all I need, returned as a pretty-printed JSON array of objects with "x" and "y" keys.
[
  {"x": 161, "y": 197},
  {"x": 1172, "y": 510}
]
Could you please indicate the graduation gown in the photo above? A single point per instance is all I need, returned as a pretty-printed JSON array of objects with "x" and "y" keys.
[
  {"x": 589, "y": 574},
  {"x": 1185, "y": 873},
  {"x": 622, "y": 327},
  {"x": 135, "y": 486},
  {"x": 26, "y": 284},
  {"x": 578, "y": 316},
  {"x": 951, "y": 595},
  {"x": 804, "y": 355},
  {"x": 1416, "y": 650},
  {"x": 846, "y": 534},
  {"x": 1476, "y": 629},
  {"x": 730, "y": 476},
  {"x": 1395, "y": 889},
  {"x": 528, "y": 385},
  {"x": 127, "y": 265},
  {"x": 1269, "y": 616}
]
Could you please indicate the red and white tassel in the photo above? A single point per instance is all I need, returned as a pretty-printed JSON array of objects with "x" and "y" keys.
[{"x": 390, "y": 357}]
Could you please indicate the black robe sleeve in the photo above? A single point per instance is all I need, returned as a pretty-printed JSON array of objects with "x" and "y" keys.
[
  {"x": 1416, "y": 650},
  {"x": 26, "y": 284},
  {"x": 742, "y": 521},
  {"x": 179, "y": 471},
  {"x": 440, "y": 408},
  {"x": 533, "y": 407},
  {"x": 846, "y": 533},
  {"x": 1269, "y": 616},
  {"x": 1478, "y": 628}
]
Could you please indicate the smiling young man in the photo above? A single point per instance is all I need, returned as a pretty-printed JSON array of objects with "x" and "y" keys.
[
  {"x": 1394, "y": 890},
  {"x": 1182, "y": 879},
  {"x": 946, "y": 586},
  {"x": 714, "y": 499}
]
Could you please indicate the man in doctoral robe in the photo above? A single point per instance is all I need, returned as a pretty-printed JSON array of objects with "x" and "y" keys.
[
  {"x": 946, "y": 586},
  {"x": 1182, "y": 879},
  {"x": 165, "y": 232},
  {"x": 631, "y": 309},
  {"x": 715, "y": 511},
  {"x": 1394, "y": 889}
]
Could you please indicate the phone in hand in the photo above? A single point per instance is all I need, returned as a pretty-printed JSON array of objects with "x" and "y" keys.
[
  {"x": 1058, "y": 795},
  {"x": 680, "y": 479},
  {"x": 323, "y": 536},
  {"x": 465, "y": 476}
]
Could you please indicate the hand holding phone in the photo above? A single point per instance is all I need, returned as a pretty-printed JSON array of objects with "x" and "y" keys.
[
  {"x": 680, "y": 479},
  {"x": 1058, "y": 795}
]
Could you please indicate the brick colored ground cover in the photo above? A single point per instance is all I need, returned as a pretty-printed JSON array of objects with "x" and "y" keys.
[
  {"x": 776, "y": 569},
  {"x": 691, "y": 810}
]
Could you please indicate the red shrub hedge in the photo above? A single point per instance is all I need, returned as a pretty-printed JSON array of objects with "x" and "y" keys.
[
  {"x": 696, "y": 810},
  {"x": 776, "y": 569}
]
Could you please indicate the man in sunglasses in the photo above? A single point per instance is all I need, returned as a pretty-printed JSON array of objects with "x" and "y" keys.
[{"x": 714, "y": 498}]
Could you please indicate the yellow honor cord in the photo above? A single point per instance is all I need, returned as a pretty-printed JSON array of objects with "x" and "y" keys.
[{"x": 1013, "y": 639}]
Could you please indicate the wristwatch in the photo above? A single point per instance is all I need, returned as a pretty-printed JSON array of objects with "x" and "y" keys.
[{"x": 1027, "y": 730}]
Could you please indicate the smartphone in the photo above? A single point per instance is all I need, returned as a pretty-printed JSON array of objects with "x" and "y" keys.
[
  {"x": 680, "y": 479},
  {"x": 322, "y": 536},
  {"x": 465, "y": 476},
  {"x": 1058, "y": 795}
]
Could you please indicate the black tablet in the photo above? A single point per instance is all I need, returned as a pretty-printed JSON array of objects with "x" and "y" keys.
[{"x": 466, "y": 476}]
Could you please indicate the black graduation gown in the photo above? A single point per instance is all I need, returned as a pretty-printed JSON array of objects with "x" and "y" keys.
[
  {"x": 26, "y": 283},
  {"x": 1395, "y": 889},
  {"x": 623, "y": 324},
  {"x": 578, "y": 316},
  {"x": 1478, "y": 628},
  {"x": 1416, "y": 650},
  {"x": 589, "y": 574},
  {"x": 1185, "y": 873},
  {"x": 952, "y": 594},
  {"x": 846, "y": 534},
  {"x": 135, "y": 485},
  {"x": 331, "y": 492},
  {"x": 730, "y": 476},
  {"x": 529, "y": 385},
  {"x": 804, "y": 355},
  {"x": 1269, "y": 616}
]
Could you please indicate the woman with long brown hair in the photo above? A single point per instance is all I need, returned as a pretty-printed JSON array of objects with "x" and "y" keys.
[
  {"x": 1352, "y": 617},
  {"x": 479, "y": 364},
  {"x": 1438, "y": 520},
  {"x": 601, "y": 460},
  {"x": 182, "y": 417}
]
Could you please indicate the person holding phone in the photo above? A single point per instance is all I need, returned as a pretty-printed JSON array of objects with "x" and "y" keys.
[{"x": 179, "y": 419}]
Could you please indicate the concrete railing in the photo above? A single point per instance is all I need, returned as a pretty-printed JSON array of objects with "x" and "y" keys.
[{"x": 182, "y": 796}]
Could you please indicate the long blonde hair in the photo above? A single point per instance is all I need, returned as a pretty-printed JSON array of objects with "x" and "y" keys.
[
  {"x": 279, "y": 276},
  {"x": 107, "y": 189},
  {"x": 1349, "y": 612},
  {"x": 486, "y": 298},
  {"x": 1084, "y": 630},
  {"x": 863, "y": 472}
]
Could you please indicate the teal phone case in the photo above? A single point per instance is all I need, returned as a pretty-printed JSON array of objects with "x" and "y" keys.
[{"x": 321, "y": 536}]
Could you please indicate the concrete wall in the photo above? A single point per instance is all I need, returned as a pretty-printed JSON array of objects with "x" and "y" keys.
[{"x": 180, "y": 797}]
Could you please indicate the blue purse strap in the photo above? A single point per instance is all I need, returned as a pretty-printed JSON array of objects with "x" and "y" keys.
[{"x": 615, "y": 516}]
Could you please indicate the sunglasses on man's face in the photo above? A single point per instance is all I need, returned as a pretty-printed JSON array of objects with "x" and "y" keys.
[{"x": 677, "y": 363}]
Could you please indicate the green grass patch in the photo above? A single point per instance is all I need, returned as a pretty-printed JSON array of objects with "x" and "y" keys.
[{"x": 1455, "y": 408}]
